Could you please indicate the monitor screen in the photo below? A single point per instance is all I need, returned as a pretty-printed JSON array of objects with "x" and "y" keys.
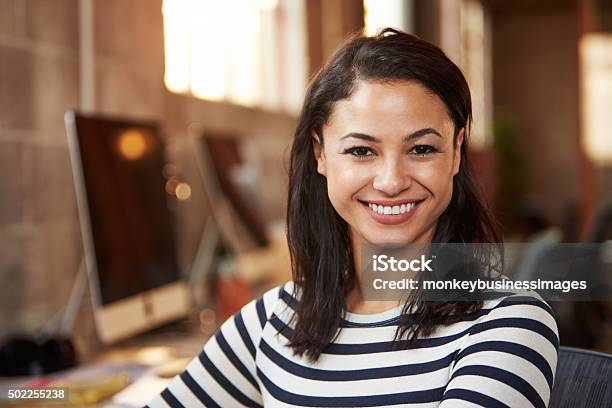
[{"x": 130, "y": 221}]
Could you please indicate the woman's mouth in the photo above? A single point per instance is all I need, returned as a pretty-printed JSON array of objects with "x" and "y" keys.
[{"x": 391, "y": 213}]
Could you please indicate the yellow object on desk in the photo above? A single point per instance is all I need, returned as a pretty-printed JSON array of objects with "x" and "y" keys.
[
  {"x": 90, "y": 391},
  {"x": 172, "y": 368},
  {"x": 81, "y": 392}
]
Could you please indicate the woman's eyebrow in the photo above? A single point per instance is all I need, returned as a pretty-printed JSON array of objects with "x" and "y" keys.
[
  {"x": 422, "y": 132},
  {"x": 411, "y": 136}
]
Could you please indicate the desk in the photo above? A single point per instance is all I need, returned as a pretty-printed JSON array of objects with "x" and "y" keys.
[
  {"x": 139, "y": 356},
  {"x": 179, "y": 341}
]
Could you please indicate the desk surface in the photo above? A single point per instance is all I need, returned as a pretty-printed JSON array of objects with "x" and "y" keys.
[
  {"x": 155, "y": 349},
  {"x": 138, "y": 357}
]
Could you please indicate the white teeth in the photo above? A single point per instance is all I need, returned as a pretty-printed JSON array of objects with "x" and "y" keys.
[{"x": 388, "y": 210}]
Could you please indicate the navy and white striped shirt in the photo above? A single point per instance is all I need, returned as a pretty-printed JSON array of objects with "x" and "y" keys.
[{"x": 504, "y": 356}]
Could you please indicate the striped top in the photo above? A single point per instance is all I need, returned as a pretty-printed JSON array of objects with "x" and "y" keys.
[{"x": 506, "y": 355}]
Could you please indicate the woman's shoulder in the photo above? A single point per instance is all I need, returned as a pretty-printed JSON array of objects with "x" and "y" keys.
[
  {"x": 517, "y": 316},
  {"x": 528, "y": 302},
  {"x": 283, "y": 293},
  {"x": 271, "y": 302}
]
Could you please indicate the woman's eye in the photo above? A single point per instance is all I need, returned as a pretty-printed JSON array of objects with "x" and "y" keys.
[
  {"x": 423, "y": 150},
  {"x": 359, "y": 151}
]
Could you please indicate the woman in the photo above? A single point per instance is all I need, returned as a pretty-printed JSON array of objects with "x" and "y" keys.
[{"x": 379, "y": 156}]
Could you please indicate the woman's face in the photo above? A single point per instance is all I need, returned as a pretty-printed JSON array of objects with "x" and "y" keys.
[{"x": 389, "y": 160}]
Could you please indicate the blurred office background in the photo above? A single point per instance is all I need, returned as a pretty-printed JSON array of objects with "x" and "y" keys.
[{"x": 540, "y": 73}]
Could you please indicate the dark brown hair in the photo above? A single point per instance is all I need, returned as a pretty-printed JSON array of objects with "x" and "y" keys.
[{"x": 318, "y": 237}]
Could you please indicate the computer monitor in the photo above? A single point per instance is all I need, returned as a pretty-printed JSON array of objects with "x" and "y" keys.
[
  {"x": 219, "y": 156},
  {"x": 126, "y": 224}
]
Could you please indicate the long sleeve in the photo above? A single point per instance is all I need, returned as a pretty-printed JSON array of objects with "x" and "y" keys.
[
  {"x": 509, "y": 358},
  {"x": 224, "y": 373}
]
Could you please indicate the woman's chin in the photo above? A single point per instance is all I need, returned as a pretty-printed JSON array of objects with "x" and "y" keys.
[{"x": 389, "y": 239}]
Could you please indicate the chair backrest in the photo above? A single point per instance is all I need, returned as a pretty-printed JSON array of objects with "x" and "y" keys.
[{"x": 583, "y": 379}]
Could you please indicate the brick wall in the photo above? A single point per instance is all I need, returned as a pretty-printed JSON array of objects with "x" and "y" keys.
[{"x": 39, "y": 234}]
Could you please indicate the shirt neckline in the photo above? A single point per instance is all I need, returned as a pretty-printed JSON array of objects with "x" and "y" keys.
[{"x": 374, "y": 317}]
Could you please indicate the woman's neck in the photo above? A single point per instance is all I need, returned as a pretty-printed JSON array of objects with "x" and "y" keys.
[{"x": 355, "y": 301}]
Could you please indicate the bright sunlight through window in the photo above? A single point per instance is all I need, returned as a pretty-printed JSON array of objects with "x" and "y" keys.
[{"x": 247, "y": 52}]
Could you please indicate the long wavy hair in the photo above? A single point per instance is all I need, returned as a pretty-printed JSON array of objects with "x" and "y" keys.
[{"x": 318, "y": 237}]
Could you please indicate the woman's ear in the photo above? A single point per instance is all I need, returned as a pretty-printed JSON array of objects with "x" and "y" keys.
[
  {"x": 319, "y": 155},
  {"x": 457, "y": 152}
]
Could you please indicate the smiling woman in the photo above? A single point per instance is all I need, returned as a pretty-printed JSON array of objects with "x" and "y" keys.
[
  {"x": 379, "y": 157},
  {"x": 391, "y": 144}
]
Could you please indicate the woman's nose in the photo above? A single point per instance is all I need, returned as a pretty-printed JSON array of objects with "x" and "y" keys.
[{"x": 391, "y": 178}]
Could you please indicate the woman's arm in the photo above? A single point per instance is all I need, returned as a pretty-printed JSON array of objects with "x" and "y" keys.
[
  {"x": 224, "y": 374},
  {"x": 509, "y": 358}
]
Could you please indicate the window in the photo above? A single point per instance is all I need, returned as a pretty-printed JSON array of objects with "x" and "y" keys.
[
  {"x": 389, "y": 13},
  {"x": 596, "y": 89},
  {"x": 247, "y": 52},
  {"x": 465, "y": 38}
]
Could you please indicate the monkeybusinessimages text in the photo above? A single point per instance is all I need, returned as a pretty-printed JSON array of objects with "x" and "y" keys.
[{"x": 385, "y": 263}]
